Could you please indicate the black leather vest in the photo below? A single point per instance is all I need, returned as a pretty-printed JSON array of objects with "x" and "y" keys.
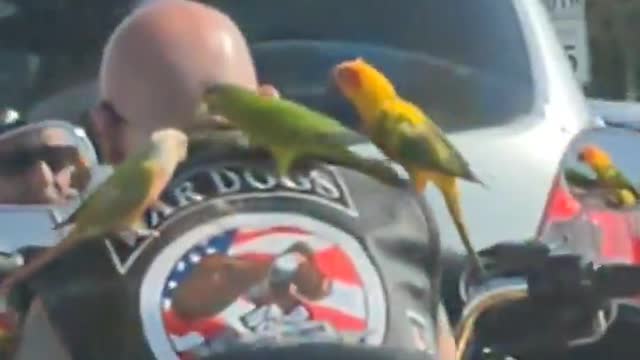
[{"x": 327, "y": 254}]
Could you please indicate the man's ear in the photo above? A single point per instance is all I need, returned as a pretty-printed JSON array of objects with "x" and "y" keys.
[
  {"x": 98, "y": 122},
  {"x": 85, "y": 121},
  {"x": 268, "y": 91},
  {"x": 108, "y": 130}
]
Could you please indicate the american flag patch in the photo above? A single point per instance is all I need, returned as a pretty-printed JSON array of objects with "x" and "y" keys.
[{"x": 268, "y": 284}]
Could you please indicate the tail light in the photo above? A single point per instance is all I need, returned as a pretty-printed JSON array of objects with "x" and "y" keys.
[
  {"x": 620, "y": 231},
  {"x": 8, "y": 330},
  {"x": 561, "y": 205}
]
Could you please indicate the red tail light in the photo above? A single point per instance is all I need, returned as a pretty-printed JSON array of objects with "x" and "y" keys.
[
  {"x": 561, "y": 205},
  {"x": 620, "y": 230}
]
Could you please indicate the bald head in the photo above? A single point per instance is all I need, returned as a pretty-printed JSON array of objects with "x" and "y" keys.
[{"x": 162, "y": 56}]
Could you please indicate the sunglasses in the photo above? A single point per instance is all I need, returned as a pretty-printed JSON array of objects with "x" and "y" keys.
[{"x": 57, "y": 157}]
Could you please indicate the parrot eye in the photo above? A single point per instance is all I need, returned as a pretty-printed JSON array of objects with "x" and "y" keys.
[
  {"x": 210, "y": 97},
  {"x": 211, "y": 100}
]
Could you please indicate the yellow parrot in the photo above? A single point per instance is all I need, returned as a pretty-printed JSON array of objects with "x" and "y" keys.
[
  {"x": 623, "y": 198},
  {"x": 609, "y": 176},
  {"x": 408, "y": 136},
  {"x": 119, "y": 203}
]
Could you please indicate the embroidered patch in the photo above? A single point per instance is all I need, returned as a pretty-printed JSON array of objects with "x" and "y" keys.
[
  {"x": 322, "y": 184},
  {"x": 260, "y": 278}
]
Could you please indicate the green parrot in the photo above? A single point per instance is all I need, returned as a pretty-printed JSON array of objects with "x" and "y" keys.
[
  {"x": 119, "y": 203},
  {"x": 292, "y": 132}
]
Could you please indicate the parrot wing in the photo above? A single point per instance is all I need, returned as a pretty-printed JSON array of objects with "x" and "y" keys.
[
  {"x": 576, "y": 177},
  {"x": 125, "y": 190},
  {"x": 623, "y": 182},
  {"x": 317, "y": 136},
  {"x": 338, "y": 138},
  {"x": 295, "y": 125},
  {"x": 418, "y": 144},
  {"x": 626, "y": 198},
  {"x": 278, "y": 122}
]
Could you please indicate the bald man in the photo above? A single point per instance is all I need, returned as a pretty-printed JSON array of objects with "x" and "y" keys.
[
  {"x": 156, "y": 66},
  {"x": 116, "y": 301}
]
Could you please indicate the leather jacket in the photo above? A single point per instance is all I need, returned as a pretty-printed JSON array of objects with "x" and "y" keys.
[{"x": 246, "y": 261}]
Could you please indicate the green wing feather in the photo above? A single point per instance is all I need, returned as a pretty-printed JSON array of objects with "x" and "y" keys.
[
  {"x": 621, "y": 181},
  {"x": 283, "y": 124},
  {"x": 281, "y": 114},
  {"x": 421, "y": 146},
  {"x": 576, "y": 177},
  {"x": 123, "y": 191}
]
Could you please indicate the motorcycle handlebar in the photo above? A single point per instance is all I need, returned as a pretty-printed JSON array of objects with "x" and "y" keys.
[
  {"x": 616, "y": 280},
  {"x": 10, "y": 262},
  {"x": 565, "y": 277},
  {"x": 558, "y": 279},
  {"x": 324, "y": 351}
]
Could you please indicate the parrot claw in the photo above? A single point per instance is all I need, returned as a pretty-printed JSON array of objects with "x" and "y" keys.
[
  {"x": 130, "y": 236},
  {"x": 72, "y": 194},
  {"x": 161, "y": 207},
  {"x": 225, "y": 209},
  {"x": 146, "y": 233}
]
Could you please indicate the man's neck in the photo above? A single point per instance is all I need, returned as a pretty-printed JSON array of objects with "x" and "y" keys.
[{"x": 216, "y": 141}]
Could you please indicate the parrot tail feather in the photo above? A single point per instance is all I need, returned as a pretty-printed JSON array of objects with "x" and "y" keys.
[
  {"x": 345, "y": 138},
  {"x": 451, "y": 196},
  {"x": 41, "y": 260},
  {"x": 473, "y": 255},
  {"x": 381, "y": 170},
  {"x": 472, "y": 177},
  {"x": 33, "y": 266}
]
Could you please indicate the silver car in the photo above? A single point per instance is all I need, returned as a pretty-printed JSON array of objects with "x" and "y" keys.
[
  {"x": 516, "y": 138},
  {"x": 624, "y": 113},
  {"x": 491, "y": 73}
]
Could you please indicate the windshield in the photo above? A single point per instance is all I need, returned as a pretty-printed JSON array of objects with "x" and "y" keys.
[{"x": 447, "y": 56}]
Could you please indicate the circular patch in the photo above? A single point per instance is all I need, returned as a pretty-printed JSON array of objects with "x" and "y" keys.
[{"x": 260, "y": 279}]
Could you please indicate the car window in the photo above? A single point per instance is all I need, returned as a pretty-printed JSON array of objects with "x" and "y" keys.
[
  {"x": 47, "y": 47},
  {"x": 447, "y": 56}
]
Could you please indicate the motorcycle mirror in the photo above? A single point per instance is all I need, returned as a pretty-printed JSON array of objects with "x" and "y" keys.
[
  {"x": 28, "y": 225},
  {"x": 28, "y": 214},
  {"x": 601, "y": 170}
]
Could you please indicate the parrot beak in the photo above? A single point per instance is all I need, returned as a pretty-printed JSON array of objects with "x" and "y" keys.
[
  {"x": 202, "y": 112},
  {"x": 211, "y": 122},
  {"x": 210, "y": 98},
  {"x": 212, "y": 90},
  {"x": 581, "y": 156},
  {"x": 347, "y": 77},
  {"x": 185, "y": 153},
  {"x": 204, "y": 117},
  {"x": 84, "y": 162},
  {"x": 220, "y": 122}
]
